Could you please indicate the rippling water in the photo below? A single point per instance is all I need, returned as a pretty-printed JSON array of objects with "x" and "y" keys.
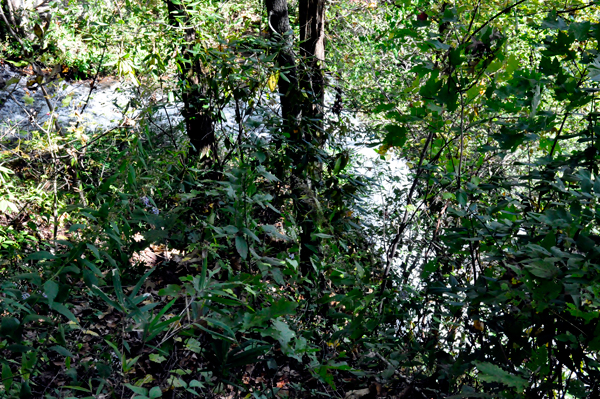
[{"x": 24, "y": 109}]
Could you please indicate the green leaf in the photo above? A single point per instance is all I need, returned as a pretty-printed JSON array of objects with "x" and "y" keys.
[
  {"x": 280, "y": 308},
  {"x": 429, "y": 268},
  {"x": 62, "y": 309},
  {"x": 283, "y": 334},
  {"x": 396, "y": 136},
  {"x": 580, "y": 30},
  {"x": 455, "y": 57},
  {"x": 155, "y": 393},
  {"x": 76, "y": 388},
  {"x": 553, "y": 22},
  {"x": 543, "y": 268},
  {"x": 323, "y": 374},
  {"x": 272, "y": 231},
  {"x": 261, "y": 156},
  {"x": 171, "y": 289},
  {"x": 25, "y": 392},
  {"x": 461, "y": 197},
  {"x": 230, "y": 229},
  {"x": 6, "y": 205},
  {"x": 139, "y": 284},
  {"x": 76, "y": 227},
  {"x": 89, "y": 278},
  {"x": 7, "y": 377},
  {"x": 267, "y": 175},
  {"x": 94, "y": 250},
  {"x": 438, "y": 45},
  {"x": 154, "y": 328},
  {"x": 11, "y": 327},
  {"x": 492, "y": 373},
  {"x": 585, "y": 243},
  {"x": 61, "y": 350},
  {"x": 157, "y": 358},
  {"x": 214, "y": 333},
  {"x": 250, "y": 234},
  {"x": 51, "y": 291},
  {"x": 40, "y": 255},
  {"x": 138, "y": 390},
  {"x": 278, "y": 276},
  {"x": 512, "y": 64},
  {"x": 13, "y": 80},
  {"x": 67, "y": 101},
  {"x": 242, "y": 246},
  {"x": 196, "y": 384},
  {"x": 18, "y": 348},
  {"x": 18, "y": 64},
  {"x": 448, "y": 196},
  {"x": 450, "y": 15}
]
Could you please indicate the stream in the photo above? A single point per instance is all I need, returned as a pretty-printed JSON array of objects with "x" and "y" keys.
[{"x": 24, "y": 108}]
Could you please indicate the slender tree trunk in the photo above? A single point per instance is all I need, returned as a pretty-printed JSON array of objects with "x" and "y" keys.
[
  {"x": 279, "y": 24},
  {"x": 197, "y": 109},
  {"x": 312, "y": 50},
  {"x": 301, "y": 116}
]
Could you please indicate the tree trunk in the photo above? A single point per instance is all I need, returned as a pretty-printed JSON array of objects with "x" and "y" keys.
[
  {"x": 197, "y": 108},
  {"x": 312, "y": 50},
  {"x": 279, "y": 23},
  {"x": 300, "y": 115}
]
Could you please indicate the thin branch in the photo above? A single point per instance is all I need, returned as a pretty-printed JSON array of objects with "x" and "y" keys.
[
  {"x": 473, "y": 18},
  {"x": 507, "y": 9},
  {"x": 577, "y": 8},
  {"x": 12, "y": 32},
  {"x": 562, "y": 125}
]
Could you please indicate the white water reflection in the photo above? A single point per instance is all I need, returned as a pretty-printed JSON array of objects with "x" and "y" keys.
[{"x": 23, "y": 108}]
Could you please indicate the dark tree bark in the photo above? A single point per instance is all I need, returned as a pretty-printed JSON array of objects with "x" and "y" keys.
[
  {"x": 294, "y": 106},
  {"x": 301, "y": 116},
  {"x": 197, "y": 108},
  {"x": 279, "y": 24},
  {"x": 312, "y": 50}
]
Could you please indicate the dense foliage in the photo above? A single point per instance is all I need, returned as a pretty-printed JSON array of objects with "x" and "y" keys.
[{"x": 225, "y": 238}]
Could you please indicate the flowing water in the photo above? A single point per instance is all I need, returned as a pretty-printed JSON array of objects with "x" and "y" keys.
[{"x": 25, "y": 108}]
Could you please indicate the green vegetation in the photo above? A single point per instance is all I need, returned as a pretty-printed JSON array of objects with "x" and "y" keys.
[{"x": 232, "y": 248}]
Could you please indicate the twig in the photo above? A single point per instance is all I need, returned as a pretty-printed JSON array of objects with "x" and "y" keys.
[
  {"x": 47, "y": 98},
  {"x": 394, "y": 245},
  {"x": 507, "y": 9},
  {"x": 121, "y": 126},
  {"x": 93, "y": 84},
  {"x": 55, "y": 202},
  {"x": 473, "y": 18},
  {"x": 12, "y": 32},
  {"x": 562, "y": 125},
  {"x": 593, "y": 3},
  {"x": 462, "y": 136}
]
